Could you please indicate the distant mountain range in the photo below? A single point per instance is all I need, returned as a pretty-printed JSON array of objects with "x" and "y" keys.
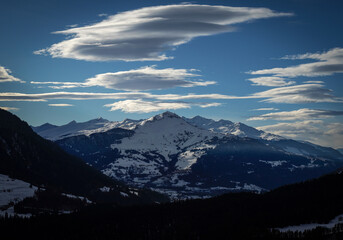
[
  {"x": 192, "y": 157},
  {"x": 73, "y": 128}
]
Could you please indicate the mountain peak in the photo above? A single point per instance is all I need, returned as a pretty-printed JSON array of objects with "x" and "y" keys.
[
  {"x": 164, "y": 115},
  {"x": 197, "y": 118},
  {"x": 48, "y": 125},
  {"x": 98, "y": 120},
  {"x": 169, "y": 114}
]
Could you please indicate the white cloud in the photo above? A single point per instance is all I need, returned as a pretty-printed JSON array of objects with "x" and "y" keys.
[
  {"x": 326, "y": 64},
  {"x": 145, "y": 34},
  {"x": 5, "y": 76},
  {"x": 60, "y": 85},
  {"x": 270, "y": 81},
  {"x": 320, "y": 82},
  {"x": 265, "y": 109},
  {"x": 315, "y": 131},
  {"x": 10, "y": 96},
  {"x": 145, "y": 78},
  {"x": 141, "y": 106},
  {"x": 205, "y": 105},
  {"x": 304, "y": 93},
  {"x": 68, "y": 95},
  {"x": 300, "y": 114},
  {"x": 60, "y": 105},
  {"x": 9, "y": 108}
]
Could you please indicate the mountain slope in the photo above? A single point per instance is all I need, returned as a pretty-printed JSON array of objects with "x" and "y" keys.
[{"x": 25, "y": 155}]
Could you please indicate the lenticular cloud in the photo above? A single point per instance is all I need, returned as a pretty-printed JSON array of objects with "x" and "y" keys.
[{"x": 145, "y": 34}]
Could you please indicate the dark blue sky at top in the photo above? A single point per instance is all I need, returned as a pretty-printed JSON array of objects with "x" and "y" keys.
[{"x": 27, "y": 26}]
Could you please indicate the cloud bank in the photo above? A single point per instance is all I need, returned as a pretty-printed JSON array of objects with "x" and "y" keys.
[{"x": 145, "y": 34}]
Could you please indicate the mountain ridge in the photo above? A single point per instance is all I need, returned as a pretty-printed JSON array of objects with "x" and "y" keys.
[{"x": 88, "y": 127}]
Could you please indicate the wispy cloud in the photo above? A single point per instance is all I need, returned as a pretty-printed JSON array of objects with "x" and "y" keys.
[
  {"x": 60, "y": 85},
  {"x": 315, "y": 131},
  {"x": 145, "y": 78},
  {"x": 68, "y": 95},
  {"x": 60, "y": 105},
  {"x": 5, "y": 76},
  {"x": 10, "y": 108},
  {"x": 8, "y": 96},
  {"x": 145, "y": 34},
  {"x": 141, "y": 106},
  {"x": 304, "y": 93},
  {"x": 270, "y": 81},
  {"x": 265, "y": 109},
  {"x": 326, "y": 64},
  {"x": 320, "y": 82},
  {"x": 300, "y": 114}
]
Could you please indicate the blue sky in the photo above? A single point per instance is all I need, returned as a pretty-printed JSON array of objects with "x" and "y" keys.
[{"x": 276, "y": 65}]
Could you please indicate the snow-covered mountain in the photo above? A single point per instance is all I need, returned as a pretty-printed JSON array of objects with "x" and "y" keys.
[
  {"x": 227, "y": 127},
  {"x": 197, "y": 157},
  {"x": 220, "y": 127},
  {"x": 73, "y": 128}
]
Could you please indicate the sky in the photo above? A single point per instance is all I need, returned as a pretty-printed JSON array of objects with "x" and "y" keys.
[{"x": 273, "y": 65}]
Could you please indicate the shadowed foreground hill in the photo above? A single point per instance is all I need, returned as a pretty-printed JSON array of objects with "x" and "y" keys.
[{"x": 27, "y": 156}]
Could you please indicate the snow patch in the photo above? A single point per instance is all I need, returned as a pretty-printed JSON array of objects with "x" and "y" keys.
[
  {"x": 14, "y": 190},
  {"x": 124, "y": 194},
  {"x": 105, "y": 189},
  {"x": 274, "y": 163},
  {"x": 311, "y": 226},
  {"x": 77, "y": 197}
]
